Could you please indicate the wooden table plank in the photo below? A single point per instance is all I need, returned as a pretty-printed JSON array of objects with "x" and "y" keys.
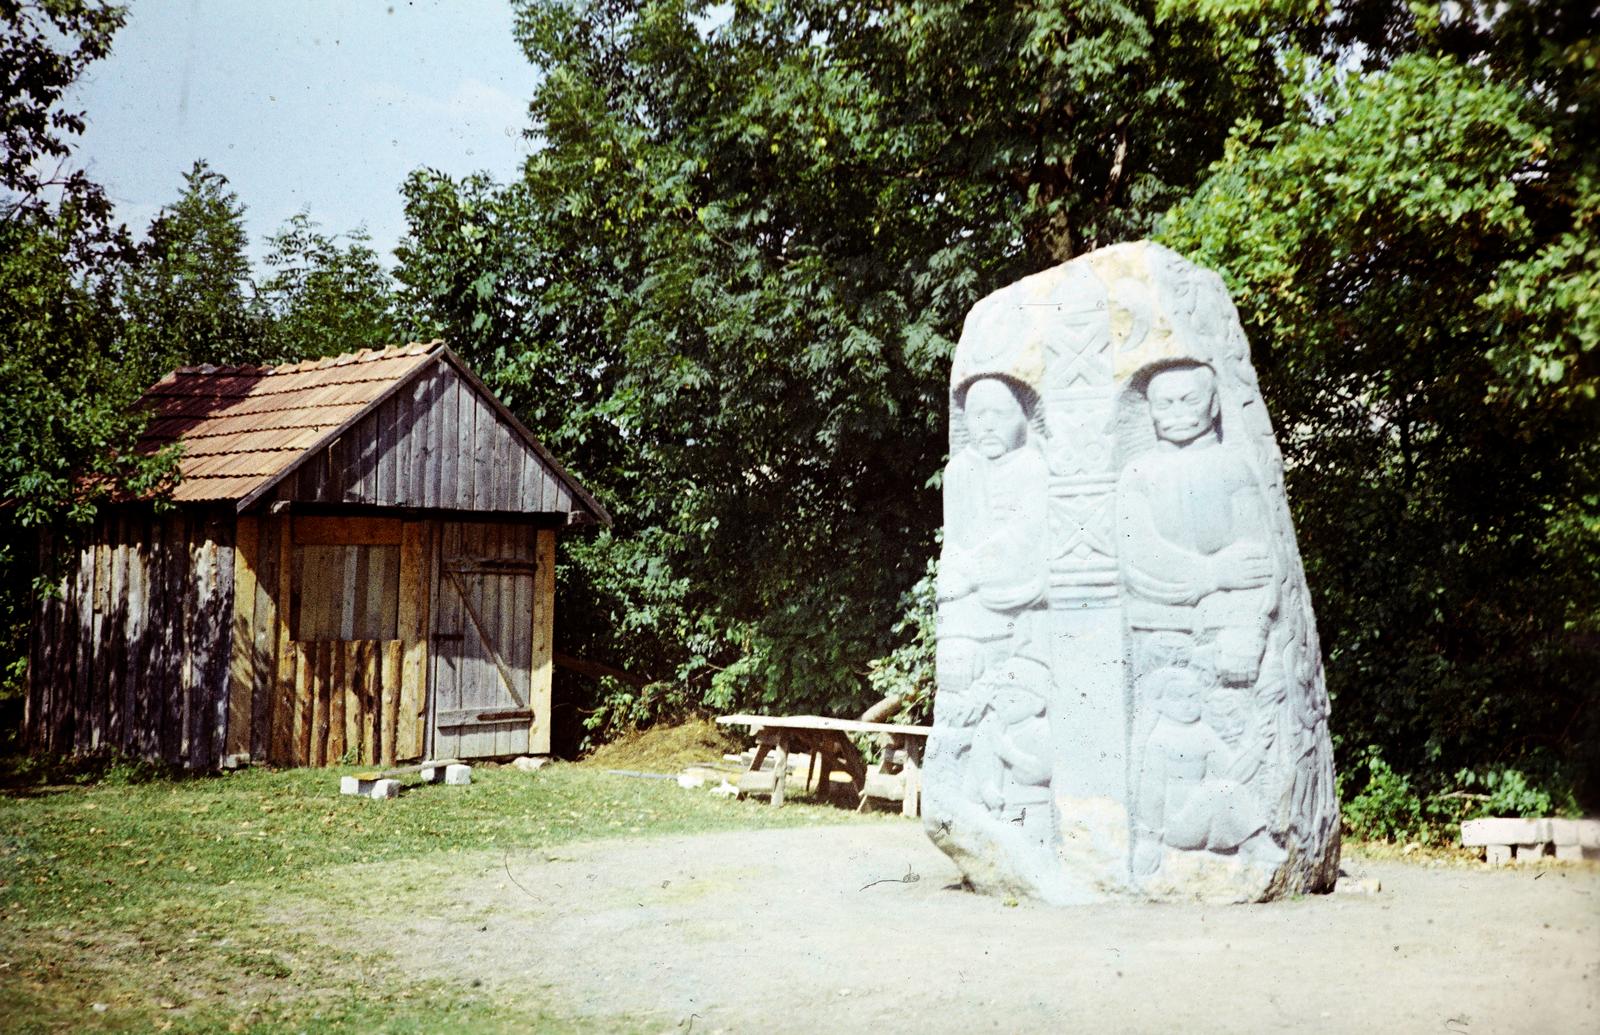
[{"x": 820, "y": 722}]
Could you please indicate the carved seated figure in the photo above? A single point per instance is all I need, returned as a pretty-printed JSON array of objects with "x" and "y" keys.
[
  {"x": 992, "y": 575},
  {"x": 1009, "y": 770},
  {"x": 1193, "y": 526},
  {"x": 1187, "y": 793}
]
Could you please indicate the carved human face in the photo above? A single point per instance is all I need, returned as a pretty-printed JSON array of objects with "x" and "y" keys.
[
  {"x": 1183, "y": 403},
  {"x": 995, "y": 418}
]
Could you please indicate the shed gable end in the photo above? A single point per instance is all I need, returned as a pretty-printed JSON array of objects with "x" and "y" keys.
[{"x": 437, "y": 441}]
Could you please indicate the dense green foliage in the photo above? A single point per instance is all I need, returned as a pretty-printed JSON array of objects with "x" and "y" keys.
[
  {"x": 725, "y": 289},
  {"x": 1414, "y": 253},
  {"x": 727, "y": 286},
  {"x": 90, "y": 316}
]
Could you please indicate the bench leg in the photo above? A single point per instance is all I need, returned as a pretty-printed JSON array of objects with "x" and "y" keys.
[{"x": 780, "y": 775}]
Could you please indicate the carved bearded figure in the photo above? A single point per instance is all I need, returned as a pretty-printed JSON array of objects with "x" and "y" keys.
[{"x": 1194, "y": 531}]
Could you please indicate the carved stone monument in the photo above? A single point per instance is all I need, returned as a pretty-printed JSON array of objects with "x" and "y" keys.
[{"x": 1130, "y": 698}]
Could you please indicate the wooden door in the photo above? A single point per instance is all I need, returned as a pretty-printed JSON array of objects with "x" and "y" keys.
[{"x": 482, "y": 640}]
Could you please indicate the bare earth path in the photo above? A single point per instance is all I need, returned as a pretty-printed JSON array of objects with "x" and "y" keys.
[{"x": 778, "y": 931}]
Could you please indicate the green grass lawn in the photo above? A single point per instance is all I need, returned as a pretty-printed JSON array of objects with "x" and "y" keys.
[{"x": 139, "y": 906}]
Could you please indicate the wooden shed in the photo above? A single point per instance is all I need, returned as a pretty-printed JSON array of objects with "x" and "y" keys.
[{"x": 359, "y": 567}]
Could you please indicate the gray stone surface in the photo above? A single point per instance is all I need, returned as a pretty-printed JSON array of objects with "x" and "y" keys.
[
  {"x": 382, "y": 789},
  {"x": 1130, "y": 696},
  {"x": 457, "y": 775}
]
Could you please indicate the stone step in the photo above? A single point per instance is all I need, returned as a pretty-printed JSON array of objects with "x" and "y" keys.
[{"x": 1509, "y": 837}]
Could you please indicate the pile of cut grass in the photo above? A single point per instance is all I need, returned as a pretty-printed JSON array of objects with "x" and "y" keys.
[{"x": 666, "y": 749}]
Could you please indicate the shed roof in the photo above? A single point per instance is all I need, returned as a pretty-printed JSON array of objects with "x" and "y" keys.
[{"x": 245, "y": 428}]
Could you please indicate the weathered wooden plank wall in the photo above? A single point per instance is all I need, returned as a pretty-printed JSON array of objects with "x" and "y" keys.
[
  {"x": 345, "y": 684},
  {"x": 132, "y": 652},
  {"x": 436, "y": 443}
]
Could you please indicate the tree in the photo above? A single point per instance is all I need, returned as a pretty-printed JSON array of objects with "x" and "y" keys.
[
  {"x": 189, "y": 295},
  {"x": 324, "y": 297},
  {"x": 1414, "y": 254},
  {"x": 67, "y": 433},
  {"x": 745, "y": 250}
]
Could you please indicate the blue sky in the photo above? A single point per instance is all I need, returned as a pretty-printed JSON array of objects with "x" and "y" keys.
[{"x": 323, "y": 106}]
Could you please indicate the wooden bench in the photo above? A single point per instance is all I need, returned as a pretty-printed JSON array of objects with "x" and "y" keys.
[{"x": 897, "y": 777}]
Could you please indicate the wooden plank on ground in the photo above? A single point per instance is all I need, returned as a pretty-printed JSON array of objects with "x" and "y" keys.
[{"x": 407, "y": 769}]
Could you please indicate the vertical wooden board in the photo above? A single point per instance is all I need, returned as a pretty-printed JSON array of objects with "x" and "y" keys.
[
  {"x": 286, "y": 709},
  {"x": 444, "y": 685},
  {"x": 416, "y": 572},
  {"x": 176, "y": 613},
  {"x": 485, "y": 494},
  {"x": 209, "y": 641},
  {"x": 463, "y": 446},
  {"x": 425, "y": 459},
  {"x": 221, "y": 634},
  {"x": 163, "y": 640},
  {"x": 142, "y": 592},
  {"x": 544, "y": 599},
  {"x": 504, "y": 466},
  {"x": 402, "y": 446},
  {"x": 516, "y": 596},
  {"x": 38, "y": 659},
  {"x": 489, "y": 589},
  {"x": 447, "y": 457},
  {"x": 393, "y": 663},
  {"x": 242, "y": 639},
  {"x": 547, "y": 490},
  {"x": 51, "y": 677},
  {"x": 264, "y": 627},
  {"x": 371, "y": 715},
  {"x": 361, "y": 706},
  {"x": 100, "y": 636},
  {"x": 420, "y": 432},
  {"x": 339, "y": 719},
  {"x": 384, "y": 459},
  {"x": 135, "y": 688},
  {"x": 113, "y": 663},
  {"x": 190, "y": 587},
  {"x": 207, "y": 636},
  {"x": 350, "y": 604},
  {"x": 76, "y": 736},
  {"x": 304, "y": 691},
  {"x": 327, "y": 654}
]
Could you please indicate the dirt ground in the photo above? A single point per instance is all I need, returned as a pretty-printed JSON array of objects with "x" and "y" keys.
[{"x": 857, "y": 927}]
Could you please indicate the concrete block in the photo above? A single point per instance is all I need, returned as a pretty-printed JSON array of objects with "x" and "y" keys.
[
  {"x": 1589, "y": 833},
  {"x": 1531, "y": 853},
  {"x": 433, "y": 774},
  {"x": 1497, "y": 855},
  {"x": 457, "y": 775},
  {"x": 1562, "y": 831},
  {"x": 1569, "y": 852},
  {"x": 350, "y": 785},
  {"x": 1503, "y": 831},
  {"x": 382, "y": 789},
  {"x": 531, "y": 763}
]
